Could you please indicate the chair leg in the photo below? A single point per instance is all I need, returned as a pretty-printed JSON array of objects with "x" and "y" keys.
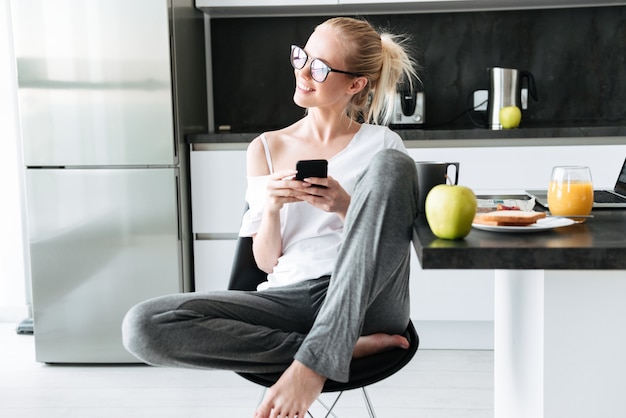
[
  {"x": 330, "y": 410},
  {"x": 368, "y": 404}
]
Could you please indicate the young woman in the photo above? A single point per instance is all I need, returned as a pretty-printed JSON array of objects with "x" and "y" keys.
[{"x": 337, "y": 256}]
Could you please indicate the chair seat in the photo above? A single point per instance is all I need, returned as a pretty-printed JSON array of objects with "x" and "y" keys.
[{"x": 363, "y": 371}]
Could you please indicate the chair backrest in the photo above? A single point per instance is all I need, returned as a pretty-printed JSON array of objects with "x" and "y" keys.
[{"x": 244, "y": 274}]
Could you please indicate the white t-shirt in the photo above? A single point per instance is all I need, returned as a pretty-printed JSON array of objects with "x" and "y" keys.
[{"x": 312, "y": 237}]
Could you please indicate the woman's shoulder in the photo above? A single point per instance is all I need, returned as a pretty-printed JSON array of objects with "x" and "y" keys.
[
  {"x": 380, "y": 131},
  {"x": 377, "y": 129},
  {"x": 256, "y": 147},
  {"x": 273, "y": 137},
  {"x": 266, "y": 138},
  {"x": 377, "y": 137},
  {"x": 263, "y": 149},
  {"x": 255, "y": 156}
]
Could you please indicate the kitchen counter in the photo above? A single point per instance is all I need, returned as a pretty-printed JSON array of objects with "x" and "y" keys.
[
  {"x": 445, "y": 138},
  {"x": 598, "y": 243},
  {"x": 559, "y": 309}
]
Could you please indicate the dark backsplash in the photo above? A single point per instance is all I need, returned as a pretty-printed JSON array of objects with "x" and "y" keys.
[{"x": 577, "y": 56}]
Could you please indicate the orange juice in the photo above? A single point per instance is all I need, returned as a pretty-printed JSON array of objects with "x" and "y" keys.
[{"x": 570, "y": 198}]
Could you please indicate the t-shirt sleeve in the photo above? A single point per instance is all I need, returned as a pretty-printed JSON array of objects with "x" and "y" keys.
[
  {"x": 255, "y": 198},
  {"x": 393, "y": 140}
]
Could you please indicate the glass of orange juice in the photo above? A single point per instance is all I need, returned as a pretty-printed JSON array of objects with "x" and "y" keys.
[{"x": 570, "y": 192}]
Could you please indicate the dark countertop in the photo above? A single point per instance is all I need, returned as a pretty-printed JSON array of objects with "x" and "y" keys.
[
  {"x": 520, "y": 133},
  {"x": 597, "y": 244},
  {"x": 535, "y": 132}
]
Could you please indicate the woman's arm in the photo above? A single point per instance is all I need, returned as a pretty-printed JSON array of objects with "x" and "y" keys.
[
  {"x": 282, "y": 189},
  {"x": 267, "y": 242}
]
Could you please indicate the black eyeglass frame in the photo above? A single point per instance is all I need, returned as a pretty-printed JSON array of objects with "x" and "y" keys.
[{"x": 330, "y": 69}]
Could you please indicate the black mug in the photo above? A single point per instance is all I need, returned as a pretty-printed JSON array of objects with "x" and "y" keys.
[{"x": 430, "y": 174}]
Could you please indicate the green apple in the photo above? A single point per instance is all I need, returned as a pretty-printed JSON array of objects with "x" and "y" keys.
[
  {"x": 450, "y": 210},
  {"x": 510, "y": 117}
]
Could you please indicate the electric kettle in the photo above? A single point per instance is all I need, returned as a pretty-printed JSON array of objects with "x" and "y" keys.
[{"x": 505, "y": 88}]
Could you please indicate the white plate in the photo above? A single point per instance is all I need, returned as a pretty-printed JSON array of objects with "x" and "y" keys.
[{"x": 541, "y": 225}]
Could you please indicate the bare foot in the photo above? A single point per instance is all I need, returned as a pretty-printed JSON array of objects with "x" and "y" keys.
[
  {"x": 293, "y": 393},
  {"x": 375, "y": 343}
]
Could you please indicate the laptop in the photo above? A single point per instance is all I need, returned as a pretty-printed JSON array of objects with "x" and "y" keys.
[{"x": 609, "y": 199}]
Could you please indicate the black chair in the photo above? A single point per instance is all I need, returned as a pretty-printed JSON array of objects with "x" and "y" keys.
[{"x": 245, "y": 275}]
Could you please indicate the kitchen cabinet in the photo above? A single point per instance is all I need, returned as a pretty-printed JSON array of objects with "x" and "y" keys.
[
  {"x": 212, "y": 263},
  {"x": 218, "y": 186},
  {"x": 233, "y": 8},
  {"x": 452, "y": 309}
]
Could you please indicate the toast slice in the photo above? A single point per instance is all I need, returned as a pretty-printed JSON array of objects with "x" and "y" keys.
[{"x": 509, "y": 218}]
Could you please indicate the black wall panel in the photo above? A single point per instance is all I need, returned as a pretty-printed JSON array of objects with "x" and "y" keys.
[{"x": 578, "y": 58}]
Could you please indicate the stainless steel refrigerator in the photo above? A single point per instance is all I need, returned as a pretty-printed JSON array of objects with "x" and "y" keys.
[{"x": 107, "y": 91}]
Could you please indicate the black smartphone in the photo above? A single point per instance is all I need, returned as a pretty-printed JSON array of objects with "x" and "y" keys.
[{"x": 311, "y": 168}]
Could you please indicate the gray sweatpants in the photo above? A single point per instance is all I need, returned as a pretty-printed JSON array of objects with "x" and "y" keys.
[{"x": 317, "y": 321}]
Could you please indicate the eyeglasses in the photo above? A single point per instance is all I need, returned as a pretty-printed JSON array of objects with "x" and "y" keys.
[{"x": 319, "y": 69}]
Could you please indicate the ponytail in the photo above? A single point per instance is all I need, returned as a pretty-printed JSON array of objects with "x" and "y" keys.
[
  {"x": 383, "y": 59},
  {"x": 397, "y": 67}
]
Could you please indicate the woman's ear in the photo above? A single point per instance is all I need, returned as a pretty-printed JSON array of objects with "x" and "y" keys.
[{"x": 357, "y": 85}]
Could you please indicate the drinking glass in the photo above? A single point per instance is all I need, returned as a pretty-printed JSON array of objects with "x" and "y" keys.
[{"x": 570, "y": 192}]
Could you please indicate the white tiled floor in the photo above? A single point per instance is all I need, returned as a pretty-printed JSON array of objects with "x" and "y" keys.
[{"x": 436, "y": 384}]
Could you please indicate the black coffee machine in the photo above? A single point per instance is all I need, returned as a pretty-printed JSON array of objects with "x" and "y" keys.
[{"x": 409, "y": 108}]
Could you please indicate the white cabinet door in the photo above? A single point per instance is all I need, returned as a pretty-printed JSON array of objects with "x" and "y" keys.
[
  {"x": 218, "y": 187},
  {"x": 212, "y": 263},
  {"x": 452, "y": 309}
]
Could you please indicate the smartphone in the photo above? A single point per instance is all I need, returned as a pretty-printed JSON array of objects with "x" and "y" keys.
[{"x": 311, "y": 168}]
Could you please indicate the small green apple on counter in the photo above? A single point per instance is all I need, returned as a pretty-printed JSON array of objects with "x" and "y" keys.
[
  {"x": 510, "y": 117},
  {"x": 450, "y": 210}
]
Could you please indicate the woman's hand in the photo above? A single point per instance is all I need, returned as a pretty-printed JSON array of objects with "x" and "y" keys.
[
  {"x": 324, "y": 193},
  {"x": 283, "y": 188}
]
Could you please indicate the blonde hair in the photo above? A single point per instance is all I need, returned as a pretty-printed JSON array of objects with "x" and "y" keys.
[{"x": 381, "y": 57}]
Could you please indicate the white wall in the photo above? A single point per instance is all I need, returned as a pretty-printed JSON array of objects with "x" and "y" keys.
[
  {"x": 526, "y": 167},
  {"x": 14, "y": 293}
]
